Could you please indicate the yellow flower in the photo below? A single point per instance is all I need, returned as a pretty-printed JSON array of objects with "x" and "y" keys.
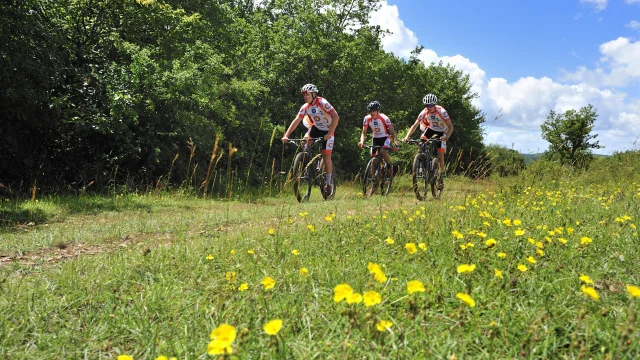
[
  {"x": 466, "y": 299},
  {"x": 540, "y": 252},
  {"x": 354, "y": 298},
  {"x": 243, "y": 287},
  {"x": 268, "y": 283},
  {"x": 273, "y": 327},
  {"x": 481, "y": 234},
  {"x": 498, "y": 273},
  {"x": 251, "y": 252},
  {"x": 457, "y": 234},
  {"x": 221, "y": 339},
  {"x": 125, "y": 357},
  {"x": 415, "y": 286},
  {"x": 466, "y": 268},
  {"x": 311, "y": 228},
  {"x": 272, "y": 231},
  {"x": 502, "y": 255},
  {"x": 209, "y": 257},
  {"x": 304, "y": 271},
  {"x": 383, "y": 325},
  {"x": 517, "y": 222},
  {"x": 328, "y": 218},
  {"x": 371, "y": 298},
  {"x": 341, "y": 292},
  {"x": 290, "y": 221},
  {"x": 232, "y": 252},
  {"x": 411, "y": 248},
  {"x": 586, "y": 279},
  {"x": 507, "y": 222},
  {"x": 390, "y": 241},
  {"x": 423, "y": 246},
  {"x": 531, "y": 260},
  {"x": 563, "y": 240},
  {"x": 231, "y": 276},
  {"x": 591, "y": 292},
  {"x": 633, "y": 291},
  {"x": 540, "y": 245},
  {"x": 303, "y": 214},
  {"x": 522, "y": 267},
  {"x": 519, "y": 232},
  {"x": 585, "y": 240},
  {"x": 570, "y": 230},
  {"x": 295, "y": 252},
  {"x": 491, "y": 243}
]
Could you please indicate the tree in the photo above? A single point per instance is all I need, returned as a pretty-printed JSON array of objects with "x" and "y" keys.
[{"x": 569, "y": 136}]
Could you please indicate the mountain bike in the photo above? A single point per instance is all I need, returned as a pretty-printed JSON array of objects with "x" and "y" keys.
[
  {"x": 308, "y": 169},
  {"x": 425, "y": 174},
  {"x": 376, "y": 174}
]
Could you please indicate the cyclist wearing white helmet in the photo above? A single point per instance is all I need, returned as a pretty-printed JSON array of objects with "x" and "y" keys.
[
  {"x": 323, "y": 119},
  {"x": 383, "y": 131},
  {"x": 433, "y": 120}
]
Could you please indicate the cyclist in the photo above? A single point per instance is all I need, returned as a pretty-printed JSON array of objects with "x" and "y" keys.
[
  {"x": 383, "y": 132},
  {"x": 433, "y": 120},
  {"x": 323, "y": 119}
]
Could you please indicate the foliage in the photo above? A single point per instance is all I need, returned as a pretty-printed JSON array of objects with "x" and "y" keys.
[
  {"x": 504, "y": 161},
  {"x": 569, "y": 136}
]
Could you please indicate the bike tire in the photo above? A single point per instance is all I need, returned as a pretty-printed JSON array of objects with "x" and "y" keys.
[
  {"x": 437, "y": 186},
  {"x": 420, "y": 175},
  {"x": 302, "y": 177},
  {"x": 387, "y": 181},
  {"x": 369, "y": 180}
]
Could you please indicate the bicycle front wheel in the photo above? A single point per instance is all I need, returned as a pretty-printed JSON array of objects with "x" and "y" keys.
[
  {"x": 370, "y": 178},
  {"x": 302, "y": 177},
  {"x": 387, "y": 180},
  {"x": 420, "y": 176}
]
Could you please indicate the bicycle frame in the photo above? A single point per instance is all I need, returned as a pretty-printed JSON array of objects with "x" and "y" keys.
[
  {"x": 424, "y": 170},
  {"x": 374, "y": 175},
  {"x": 308, "y": 169}
]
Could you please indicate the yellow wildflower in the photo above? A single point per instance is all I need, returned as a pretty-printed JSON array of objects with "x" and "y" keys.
[
  {"x": 295, "y": 252},
  {"x": 423, "y": 246},
  {"x": 591, "y": 292},
  {"x": 570, "y": 230},
  {"x": 268, "y": 283},
  {"x": 563, "y": 240},
  {"x": 125, "y": 357},
  {"x": 457, "y": 234},
  {"x": 221, "y": 339},
  {"x": 231, "y": 276},
  {"x": 585, "y": 240},
  {"x": 303, "y": 214},
  {"x": 209, "y": 257},
  {"x": 586, "y": 279},
  {"x": 634, "y": 291},
  {"x": 519, "y": 232},
  {"x": 250, "y": 252},
  {"x": 491, "y": 243},
  {"x": 273, "y": 327},
  {"x": 502, "y": 255},
  {"x": 354, "y": 298},
  {"x": 531, "y": 259},
  {"x": 498, "y": 273},
  {"x": 517, "y": 222},
  {"x": 411, "y": 248},
  {"x": 311, "y": 228},
  {"x": 415, "y": 286},
  {"x": 328, "y": 218},
  {"x": 243, "y": 287},
  {"x": 371, "y": 298},
  {"x": 466, "y": 299},
  {"x": 232, "y": 252},
  {"x": 304, "y": 271},
  {"x": 390, "y": 241},
  {"x": 272, "y": 231},
  {"x": 466, "y": 268},
  {"x": 540, "y": 252},
  {"x": 341, "y": 292},
  {"x": 383, "y": 325},
  {"x": 522, "y": 267}
]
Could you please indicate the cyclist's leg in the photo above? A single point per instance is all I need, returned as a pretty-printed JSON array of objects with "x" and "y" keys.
[
  {"x": 327, "y": 149},
  {"x": 441, "y": 149}
]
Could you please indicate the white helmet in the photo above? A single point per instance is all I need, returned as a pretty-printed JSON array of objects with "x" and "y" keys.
[
  {"x": 429, "y": 99},
  {"x": 309, "y": 88}
]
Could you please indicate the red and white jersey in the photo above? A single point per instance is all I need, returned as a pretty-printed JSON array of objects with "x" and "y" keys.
[
  {"x": 319, "y": 112},
  {"x": 379, "y": 126},
  {"x": 436, "y": 121}
]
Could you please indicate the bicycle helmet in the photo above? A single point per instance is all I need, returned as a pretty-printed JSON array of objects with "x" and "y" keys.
[
  {"x": 309, "y": 88},
  {"x": 429, "y": 99},
  {"x": 374, "y": 105}
]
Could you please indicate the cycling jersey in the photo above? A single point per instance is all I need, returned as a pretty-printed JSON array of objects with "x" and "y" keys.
[
  {"x": 379, "y": 126},
  {"x": 436, "y": 121},
  {"x": 319, "y": 112}
]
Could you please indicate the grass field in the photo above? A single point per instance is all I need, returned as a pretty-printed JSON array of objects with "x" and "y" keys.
[{"x": 509, "y": 268}]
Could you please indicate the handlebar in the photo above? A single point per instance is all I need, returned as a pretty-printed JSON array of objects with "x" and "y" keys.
[
  {"x": 298, "y": 142},
  {"x": 422, "y": 140},
  {"x": 374, "y": 147}
]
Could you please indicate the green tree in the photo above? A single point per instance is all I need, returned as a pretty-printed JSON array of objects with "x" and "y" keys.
[{"x": 569, "y": 136}]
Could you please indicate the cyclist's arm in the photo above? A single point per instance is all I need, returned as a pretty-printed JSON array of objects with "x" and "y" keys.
[
  {"x": 363, "y": 135},
  {"x": 294, "y": 125},
  {"x": 412, "y": 129},
  {"x": 334, "y": 121},
  {"x": 394, "y": 135},
  {"x": 450, "y": 129}
]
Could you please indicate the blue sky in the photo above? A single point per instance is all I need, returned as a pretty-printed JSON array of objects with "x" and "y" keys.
[{"x": 528, "y": 57}]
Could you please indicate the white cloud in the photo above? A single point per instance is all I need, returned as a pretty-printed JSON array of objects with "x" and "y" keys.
[
  {"x": 598, "y": 5},
  {"x": 523, "y": 105},
  {"x": 619, "y": 65},
  {"x": 401, "y": 40},
  {"x": 633, "y": 24},
  {"x": 632, "y": 1}
]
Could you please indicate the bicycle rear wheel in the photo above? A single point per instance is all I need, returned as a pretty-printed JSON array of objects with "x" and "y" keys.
[
  {"x": 302, "y": 177},
  {"x": 370, "y": 178},
  {"x": 420, "y": 176},
  {"x": 387, "y": 180},
  {"x": 437, "y": 184}
]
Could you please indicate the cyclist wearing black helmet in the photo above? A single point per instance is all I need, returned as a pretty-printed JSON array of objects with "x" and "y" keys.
[
  {"x": 434, "y": 120},
  {"x": 323, "y": 120},
  {"x": 383, "y": 131}
]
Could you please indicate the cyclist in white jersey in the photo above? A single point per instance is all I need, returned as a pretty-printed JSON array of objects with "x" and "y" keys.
[
  {"x": 383, "y": 131},
  {"x": 433, "y": 120},
  {"x": 323, "y": 119}
]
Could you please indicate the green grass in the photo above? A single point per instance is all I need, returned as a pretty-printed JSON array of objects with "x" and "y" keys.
[{"x": 150, "y": 290}]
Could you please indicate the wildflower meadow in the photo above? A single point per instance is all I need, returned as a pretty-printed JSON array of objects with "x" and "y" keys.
[{"x": 539, "y": 266}]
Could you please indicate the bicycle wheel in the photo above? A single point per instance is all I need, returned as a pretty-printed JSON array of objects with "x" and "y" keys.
[
  {"x": 387, "y": 180},
  {"x": 437, "y": 185},
  {"x": 302, "y": 177},
  {"x": 420, "y": 176},
  {"x": 370, "y": 178}
]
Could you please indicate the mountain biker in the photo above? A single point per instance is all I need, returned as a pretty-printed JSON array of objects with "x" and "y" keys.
[
  {"x": 433, "y": 120},
  {"x": 323, "y": 119},
  {"x": 383, "y": 131}
]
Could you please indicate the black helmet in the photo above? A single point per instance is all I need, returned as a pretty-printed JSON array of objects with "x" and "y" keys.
[{"x": 374, "y": 105}]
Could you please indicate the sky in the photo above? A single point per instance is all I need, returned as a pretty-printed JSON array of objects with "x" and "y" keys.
[{"x": 526, "y": 58}]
